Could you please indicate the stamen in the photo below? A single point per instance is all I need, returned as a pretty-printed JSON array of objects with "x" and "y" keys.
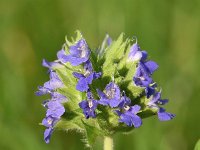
[
  {"x": 126, "y": 107},
  {"x": 49, "y": 121},
  {"x": 90, "y": 104},
  {"x": 111, "y": 93},
  {"x": 87, "y": 73}
]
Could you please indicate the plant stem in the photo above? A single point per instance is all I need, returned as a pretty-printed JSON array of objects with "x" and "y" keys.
[{"x": 108, "y": 143}]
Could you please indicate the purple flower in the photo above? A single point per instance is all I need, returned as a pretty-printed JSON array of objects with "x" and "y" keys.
[
  {"x": 58, "y": 97},
  {"x": 86, "y": 78},
  {"x": 55, "y": 109},
  {"x": 136, "y": 54},
  {"x": 50, "y": 85},
  {"x": 144, "y": 70},
  {"x": 54, "y": 112},
  {"x": 79, "y": 53},
  {"x": 47, "y": 134},
  {"x": 49, "y": 121},
  {"x": 111, "y": 96},
  {"x": 155, "y": 102},
  {"x": 143, "y": 78},
  {"x": 164, "y": 116},
  {"x": 129, "y": 115},
  {"x": 62, "y": 56},
  {"x": 89, "y": 106}
]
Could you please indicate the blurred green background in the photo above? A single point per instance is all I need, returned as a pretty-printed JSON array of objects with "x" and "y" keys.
[{"x": 31, "y": 30}]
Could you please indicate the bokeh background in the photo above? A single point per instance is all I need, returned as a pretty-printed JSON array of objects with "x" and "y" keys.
[{"x": 31, "y": 30}]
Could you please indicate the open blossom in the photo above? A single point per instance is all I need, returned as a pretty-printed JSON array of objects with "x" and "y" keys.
[
  {"x": 54, "y": 112},
  {"x": 79, "y": 53},
  {"x": 111, "y": 96},
  {"x": 155, "y": 102},
  {"x": 50, "y": 85},
  {"x": 55, "y": 109},
  {"x": 128, "y": 115},
  {"x": 89, "y": 106},
  {"x": 136, "y": 54},
  {"x": 86, "y": 78},
  {"x": 54, "y": 106},
  {"x": 144, "y": 70}
]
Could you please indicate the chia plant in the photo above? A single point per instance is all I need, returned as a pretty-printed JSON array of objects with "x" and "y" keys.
[{"x": 102, "y": 91}]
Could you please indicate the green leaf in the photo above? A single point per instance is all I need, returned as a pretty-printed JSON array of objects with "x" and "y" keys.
[{"x": 197, "y": 146}]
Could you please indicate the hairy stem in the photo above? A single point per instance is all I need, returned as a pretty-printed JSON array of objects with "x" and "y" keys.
[{"x": 108, "y": 143}]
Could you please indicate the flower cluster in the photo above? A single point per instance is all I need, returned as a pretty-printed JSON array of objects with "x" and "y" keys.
[
  {"x": 99, "y": 89},
  {"x": 54, "y": 106},
  {"x": 143, "y": 78}
]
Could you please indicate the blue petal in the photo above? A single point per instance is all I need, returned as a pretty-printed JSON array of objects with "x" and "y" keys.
[
  {"x": 82, "y": 85},
  {"x": 104, "y": 102},
  {"x": 118, "y": 112},
  {"x": 58, "y": 97},
  {"x": 114, "y": 102},
  {"x": 83, "y": 104},
  {"x": 125, "y": 119},
  {"x": 75, "y": 61},
  {"x": 62, "y": 56},
  {"x": 78, "y": 75},
  {"x": 164, "y": 116},
  {"x": 149, "y": 91},
  {"x": 124, "y": 101},
  {"x": 55, "y": 109},
  {"x": 101, "y": 94},
  {"x": 88, "y": 66},
  {"x": 144, "y": 56},
  {"x": 89, "y": 78},
  {"x": 47, "y": 134},
  {"x": 112, "y": 86},
  {"x": 42, "y": 91},
  {"x": 163, "y": 101},
  {"x": 151, "y": 66},
  {"x": 49, "y": 121},
  {"x": 156, "y": 97},
  {"x": 136, "y": 121},
  {"x": 135, "y": 109},
  {"x": 97, "y": 75}
]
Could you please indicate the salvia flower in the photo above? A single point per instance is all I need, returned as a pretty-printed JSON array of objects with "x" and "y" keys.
[
  {"x": 145, "y": 69},
  {"x": 155, "y": 102},
  {"x": 111, "y": 96},
  {"x": 79, "y": 53},
  {"x": 136, "y": 54},
  {"x": 105, "y": 90},
  {"x": 129, "y": 115},
  {"x": 88, "y": 106},
  {"x": 50, "y": 85},
  {"x": 86, "y": 78},
  {"x": 54, "y": 112}
]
